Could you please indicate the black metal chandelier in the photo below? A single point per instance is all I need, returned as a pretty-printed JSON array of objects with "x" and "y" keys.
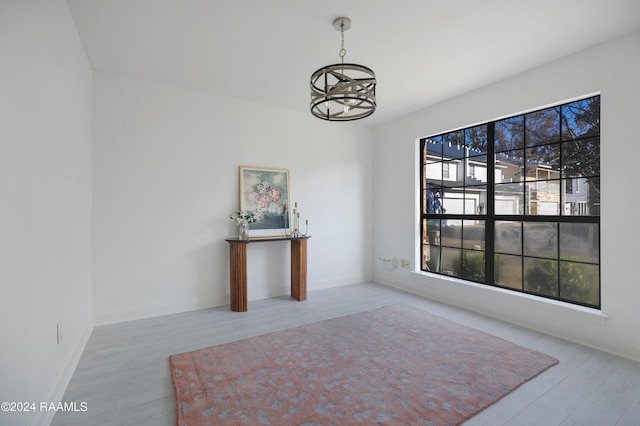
[{"x": 344, "y": 91}]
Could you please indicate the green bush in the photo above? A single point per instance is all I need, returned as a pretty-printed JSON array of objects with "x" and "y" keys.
[{"x": 578, "y": 281}]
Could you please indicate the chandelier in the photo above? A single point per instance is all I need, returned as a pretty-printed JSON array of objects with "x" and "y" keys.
[{"x": 343, "y": 92}]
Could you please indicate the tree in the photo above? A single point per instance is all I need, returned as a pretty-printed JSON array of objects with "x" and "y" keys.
[{"x": 581, "y": 151}]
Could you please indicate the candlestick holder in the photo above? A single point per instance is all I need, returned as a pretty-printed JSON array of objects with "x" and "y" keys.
[{"x": 295, "y": 225}]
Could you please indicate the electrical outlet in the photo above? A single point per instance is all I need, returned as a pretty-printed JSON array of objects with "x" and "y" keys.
[
  {"x": 59, "y": 332},
  {"x": 405, "y": 263}
]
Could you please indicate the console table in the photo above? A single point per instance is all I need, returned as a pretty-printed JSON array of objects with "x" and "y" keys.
[{"x": 238, "y": 271}]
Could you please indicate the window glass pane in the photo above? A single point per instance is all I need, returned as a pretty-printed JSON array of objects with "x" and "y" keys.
[
  {"x": 543, "y": 197},
  {"x": 540, "y": 239},
  {"x": 581, "y": 158},
  {"x": 473, "y": 265},
  {"x": 451, "y": 261},
  {"x": 542, "y": 127},
  {"x": 434, "y": 199},
  {"x": 593, "y": 185},
  {"x": 541, "y": 276},
  {"x": 453, "y": 152},
  {"x": 508, "y": 237},
  {"x": 451, "y": 233},
  {"x": 431, "y": 244},
  {"x": 509, "y": 166},
  {"x": 581, "y": 197},
  {"x": 473, "y": 237},
  {"x": 476, "y": 140},
  {"x": 453, "y": 171},
  {"x": 453, "y": 138},
  {"x": 581, "y": 118},
  {"x": 433, "y": 231},
  {"x": 509, "y": 134},
  {"x": 453, "y": 200},
  {"x": 432, "y": 259},
  {"x": 580, "y": 241},
  {"x": 433, "y": 170},
  {"x": 433, "y": 146},
  {"x": 509, "y": 199},
  {"x": 580, "y": 282},
  {"x": 475, "y": 199},
  {"x": 543, "y": 162},
  {"x": 476, "y": 170},
  {"x": 508, "y": 271}
]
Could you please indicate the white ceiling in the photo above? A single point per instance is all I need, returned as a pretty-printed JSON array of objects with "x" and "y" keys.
[{"x": 422, "y": 51}]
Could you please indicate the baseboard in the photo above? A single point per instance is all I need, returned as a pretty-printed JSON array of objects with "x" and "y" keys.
[
  {"x": 56, "y": 392},
  {"x": 131, "y": 313},
  {"x": 321, "y": 285}
]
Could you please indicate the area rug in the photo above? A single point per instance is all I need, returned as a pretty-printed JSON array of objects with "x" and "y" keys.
[{"x": 396, "y": 365}]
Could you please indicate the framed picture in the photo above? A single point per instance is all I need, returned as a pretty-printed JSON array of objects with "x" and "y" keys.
[{"x": 265, "y": 192}]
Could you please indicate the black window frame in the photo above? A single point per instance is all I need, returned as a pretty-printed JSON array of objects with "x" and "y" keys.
[{"x": 486, "y": 212}]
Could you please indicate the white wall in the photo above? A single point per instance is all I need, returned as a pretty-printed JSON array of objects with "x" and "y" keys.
[
  {"x": 45, "y": 207},
  {"x": 166, "y": 179},
  {"x": 612, "y": 69}
]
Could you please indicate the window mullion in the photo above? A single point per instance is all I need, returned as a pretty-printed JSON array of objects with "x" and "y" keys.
[{"x": 489, "y": 230}]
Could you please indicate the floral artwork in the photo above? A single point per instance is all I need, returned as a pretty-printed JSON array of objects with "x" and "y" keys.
[{"x": 265, "y": 193}]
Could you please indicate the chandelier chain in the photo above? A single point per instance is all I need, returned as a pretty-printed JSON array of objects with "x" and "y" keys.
[{"x": 343, "y": 51}]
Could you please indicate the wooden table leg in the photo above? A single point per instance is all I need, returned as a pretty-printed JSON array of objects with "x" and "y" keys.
[
  {"x": 238, "y": 276},
  {"x": 299, "y": 269}
]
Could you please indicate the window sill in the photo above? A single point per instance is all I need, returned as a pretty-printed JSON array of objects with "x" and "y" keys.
[{"x": 549, "y": 306}]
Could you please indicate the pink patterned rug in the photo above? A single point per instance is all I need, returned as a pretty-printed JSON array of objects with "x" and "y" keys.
[{"x": 395, "y": 365}]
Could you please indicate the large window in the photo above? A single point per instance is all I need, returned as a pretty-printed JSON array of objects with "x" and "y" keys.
[{"x": 515, "y": 203}]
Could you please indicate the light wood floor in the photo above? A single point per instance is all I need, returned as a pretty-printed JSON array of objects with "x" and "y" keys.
[{"x": 124, "y": 376}]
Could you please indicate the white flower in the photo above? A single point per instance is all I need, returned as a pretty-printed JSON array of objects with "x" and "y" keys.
[{"x": 243, "y": 217}]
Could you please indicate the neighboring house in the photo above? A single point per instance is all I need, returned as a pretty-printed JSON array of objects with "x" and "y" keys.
[{"x": 457, "y": 185}]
